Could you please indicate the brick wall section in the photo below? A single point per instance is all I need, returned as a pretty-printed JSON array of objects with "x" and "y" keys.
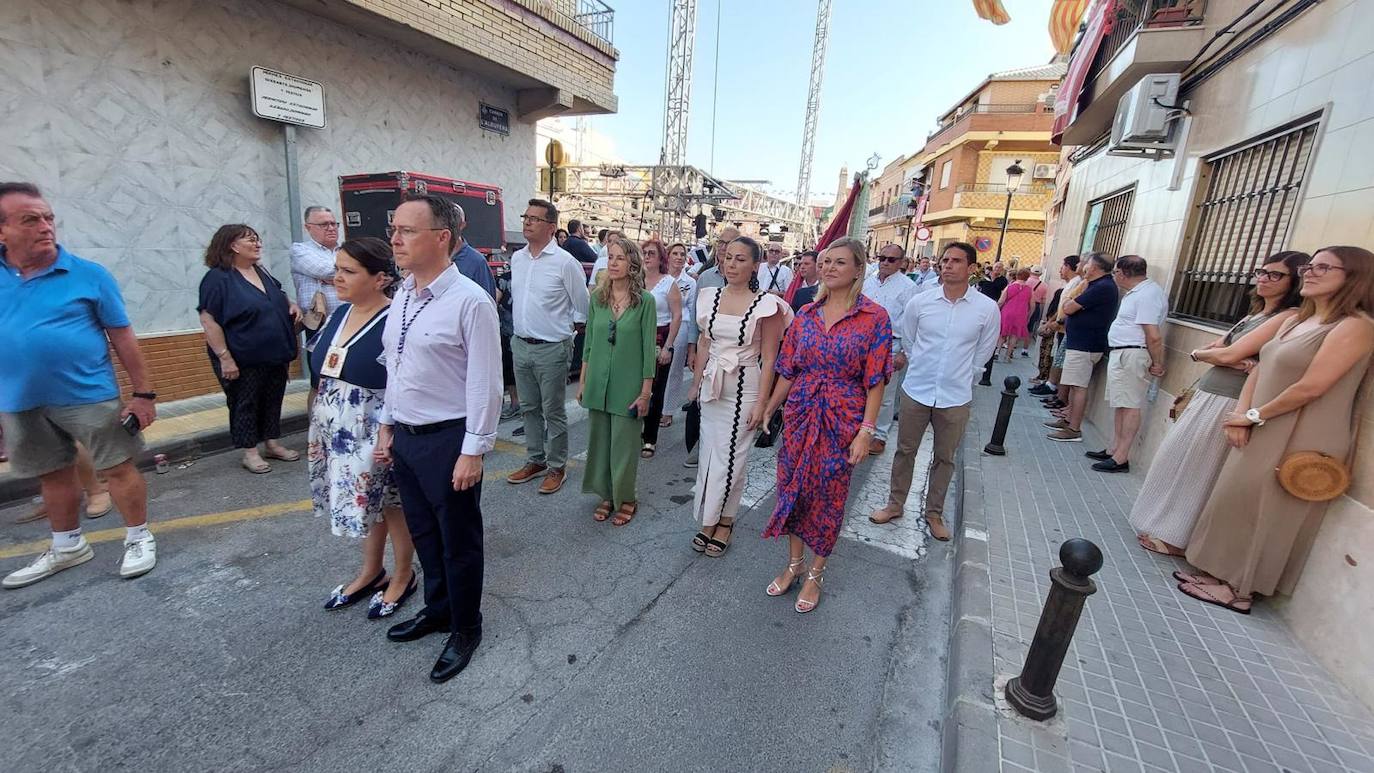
[
  {"x": 179, "y": 366},
  {"x": 529, "y": 36}
]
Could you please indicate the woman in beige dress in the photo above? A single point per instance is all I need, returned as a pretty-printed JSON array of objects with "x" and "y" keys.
[
  {"x": 1253, "y": 536},
  {"x": 1189, "y": 459}
]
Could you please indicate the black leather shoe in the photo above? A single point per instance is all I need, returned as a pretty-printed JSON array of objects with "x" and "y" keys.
[
  {"x": 416, "y": 627},
  {"x": 1042, "y": 390},
  {"x": 1100, "y": 456},
  {"x": 1110, "y": 465},
  {"x": 457, "y": 652}
]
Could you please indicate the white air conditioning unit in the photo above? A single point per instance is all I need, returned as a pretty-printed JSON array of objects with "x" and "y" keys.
[
  {"x": 1044, "y": 171},
  {"x": 1145, "y": 116}
]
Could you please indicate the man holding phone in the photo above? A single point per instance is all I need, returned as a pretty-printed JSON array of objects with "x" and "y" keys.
[{"x": 59, "y": 316}]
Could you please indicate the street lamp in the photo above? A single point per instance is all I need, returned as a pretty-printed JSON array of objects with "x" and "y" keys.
[{"x": 1014, "y": 173}]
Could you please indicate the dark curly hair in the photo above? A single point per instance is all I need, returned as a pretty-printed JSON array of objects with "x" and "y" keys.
[{"x": 220, "y": 253}]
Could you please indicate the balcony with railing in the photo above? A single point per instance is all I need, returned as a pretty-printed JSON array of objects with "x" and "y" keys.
[
  {"x": 1145, "y": 37},
  {"x": 993, "y": 196},
  {"x": 592, "y": 15}
]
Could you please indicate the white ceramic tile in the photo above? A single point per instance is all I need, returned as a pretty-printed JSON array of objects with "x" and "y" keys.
[
  {"x": 1358, "y": 171},
  {"x": 1328, "y": 166}
]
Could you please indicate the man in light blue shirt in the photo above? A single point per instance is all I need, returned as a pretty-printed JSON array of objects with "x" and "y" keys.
[
  {"x": 948, "y": 335},
  {"x": 59, "y": 316}
]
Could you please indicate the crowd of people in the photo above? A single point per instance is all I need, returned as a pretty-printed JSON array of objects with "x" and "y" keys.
[{"x": 417, "y": 350}]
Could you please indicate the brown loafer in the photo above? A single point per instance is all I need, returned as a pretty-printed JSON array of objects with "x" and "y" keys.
[
  {"x": 527, "y": 473},
  {"x": 553, "y": 481},
  {"x": 938, "y": 529},
  {"x": 886, "y": 514},
  {"x": 877, "y": 447}
]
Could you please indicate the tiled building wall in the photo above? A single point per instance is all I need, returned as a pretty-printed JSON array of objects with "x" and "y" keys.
[
  {"x": 134, "y": 117},
  {"x": 1323, "y": 61}
]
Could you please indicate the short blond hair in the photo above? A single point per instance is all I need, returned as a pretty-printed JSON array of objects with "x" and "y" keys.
[{"x": 857, "y": 250}]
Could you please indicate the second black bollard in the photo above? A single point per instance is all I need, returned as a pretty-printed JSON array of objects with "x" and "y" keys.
[
  {"x": 999, "y": 429},
  {"x": 1032, "y": 693}
]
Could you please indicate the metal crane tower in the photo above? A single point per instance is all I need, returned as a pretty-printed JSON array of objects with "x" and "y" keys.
[
  {"x": 813, "y": 101},
  {"x": 681, "y": 34}
]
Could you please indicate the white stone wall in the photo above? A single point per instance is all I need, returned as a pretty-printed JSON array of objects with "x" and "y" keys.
[{"x": 134, "y": 117}]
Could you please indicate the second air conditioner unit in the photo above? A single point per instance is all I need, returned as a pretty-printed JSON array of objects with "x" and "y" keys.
[{"x": 1145, "y": 117}]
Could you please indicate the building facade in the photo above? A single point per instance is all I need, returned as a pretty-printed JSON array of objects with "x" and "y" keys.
[
  {"x": 134, "y": 117},
  {"x": 1273, "y": 155},
  {"x": 1006, "y": 119}
]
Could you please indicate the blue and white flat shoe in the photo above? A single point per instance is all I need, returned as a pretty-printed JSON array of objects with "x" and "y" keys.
[
  {"x": 338, "y": 599},
  {"x": 378, "y": 608}
]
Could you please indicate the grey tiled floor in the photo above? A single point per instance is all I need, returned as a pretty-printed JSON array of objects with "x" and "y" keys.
[{"x": 1153, "y": 681}]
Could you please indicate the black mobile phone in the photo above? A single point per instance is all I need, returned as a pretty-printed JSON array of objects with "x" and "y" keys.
[
  {"x": 634, "y": 411},
  {"x": 131, "y": 424}
]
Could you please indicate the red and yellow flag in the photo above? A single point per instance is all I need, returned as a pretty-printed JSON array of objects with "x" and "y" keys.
[
  {"x": 1065, "y": 16},
  {"x": 991, "y": 10}
]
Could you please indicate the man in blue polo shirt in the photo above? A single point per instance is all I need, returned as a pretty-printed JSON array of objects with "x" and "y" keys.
[
  {"x": 1088, "y": 317},
  {"x": 469, "y": 261},
  {"x": 59, "y": 315}
]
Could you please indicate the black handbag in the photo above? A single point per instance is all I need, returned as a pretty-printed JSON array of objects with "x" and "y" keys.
[{"x": 770, "y": 435}]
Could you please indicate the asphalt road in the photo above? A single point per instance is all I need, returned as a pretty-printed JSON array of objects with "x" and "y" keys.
[{"x": 605, "y": 649}]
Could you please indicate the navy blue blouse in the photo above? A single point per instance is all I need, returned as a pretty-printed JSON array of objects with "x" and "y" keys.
[
  {"x": 361, "y": 367},
  {"x": 257, "y": 323}
]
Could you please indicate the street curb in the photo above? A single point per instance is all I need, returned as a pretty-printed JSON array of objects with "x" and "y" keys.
[
  {"x": 178, "y": 449},
  {"x": 970, "y": 743}
]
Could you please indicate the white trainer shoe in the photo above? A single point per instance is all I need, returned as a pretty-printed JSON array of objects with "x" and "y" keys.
[
  {"x": 139, "y": 558},
  {"x": 48, "y": 564}
]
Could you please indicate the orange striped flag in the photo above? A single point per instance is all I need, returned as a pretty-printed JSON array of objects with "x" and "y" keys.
[
  {"x": 991, "y": 10},
  {"x": 1065, "y": 17}
]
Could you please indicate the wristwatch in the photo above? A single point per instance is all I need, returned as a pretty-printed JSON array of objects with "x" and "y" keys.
[
  {"x": 145, "y": 395},
  {"x": 1253, "y": 416}
]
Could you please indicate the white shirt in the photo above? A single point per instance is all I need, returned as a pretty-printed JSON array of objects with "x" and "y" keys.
[
  {"x": 312, "y": 270},
  {"x": 892, "y": 294},
  {"x": 1144, "y": 304},
  {"x": 768, "y": 274},
  {"x": 597, "y": 268},
  {"x": 450, "y": 367},
  {"x": 548, "y": 293},
  {"x": 947, "y": 343}
]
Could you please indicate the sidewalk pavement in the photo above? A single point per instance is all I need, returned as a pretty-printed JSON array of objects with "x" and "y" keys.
[
  {"x": 1153, "y": 681},
  {"x": 184, "y": 430}
]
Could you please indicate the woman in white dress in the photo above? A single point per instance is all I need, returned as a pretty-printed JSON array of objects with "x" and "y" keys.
[
  {"x": 347, "y": 484},
  {"x": 687, "y": 286},
  {"x": 668, "y": 300},
  {"x": 741, "y": 329}
]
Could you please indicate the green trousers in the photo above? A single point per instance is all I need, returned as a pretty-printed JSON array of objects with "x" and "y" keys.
[{"x": 612, "y": 457}]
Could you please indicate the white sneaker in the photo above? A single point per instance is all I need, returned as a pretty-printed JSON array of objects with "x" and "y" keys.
[
  {"x": 140, "y": 557},
  {"x": 48, "y": 564}
]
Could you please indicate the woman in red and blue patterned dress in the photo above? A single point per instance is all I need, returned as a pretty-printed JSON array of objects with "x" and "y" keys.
[{"x": 835, "y": 359}]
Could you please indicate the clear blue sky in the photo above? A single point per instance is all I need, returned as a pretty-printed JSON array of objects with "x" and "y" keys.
[{"x": 891, "y": 68}]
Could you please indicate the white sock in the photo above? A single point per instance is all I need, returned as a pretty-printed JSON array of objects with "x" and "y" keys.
[
  {"x": 136, "y": 533},
  {"x": 66, "y": 540}
]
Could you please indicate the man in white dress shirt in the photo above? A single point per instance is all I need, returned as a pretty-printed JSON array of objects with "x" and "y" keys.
[
  {"x": 773, "y": 276},
  {"x": 891, "y": 289},
  {"x": 442, "y": 346},
  {"x": 549, "y": 304},
  {"x": 312, "y": 261},
  {"x": 948, "y": 336}
]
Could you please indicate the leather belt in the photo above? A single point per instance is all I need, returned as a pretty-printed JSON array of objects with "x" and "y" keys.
[
  {"x": 428, "y": 429},
  {"x": 535, "y": 341},
  {"x": 1118, "y": 348}
]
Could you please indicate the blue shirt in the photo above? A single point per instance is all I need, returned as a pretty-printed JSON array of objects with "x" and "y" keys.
[
  {"x": 472, "y": 265},
  {"x": 578, "y": 248},
  {"x": 53, "y": 347},
  {"x": 1086, "y": 329},
  {"x": 257, "y": 324},
  {"x": 360, "y": 367}
]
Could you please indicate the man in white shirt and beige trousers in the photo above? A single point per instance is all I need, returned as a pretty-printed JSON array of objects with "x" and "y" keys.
[
  {"x": 548, "y": 303},
  {"x": 948, "y": 334}
]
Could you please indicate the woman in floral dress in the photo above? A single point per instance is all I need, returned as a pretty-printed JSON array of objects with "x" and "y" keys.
[
  {"x": 346, "y": 483},
  {"x": 835, "y": 360}
]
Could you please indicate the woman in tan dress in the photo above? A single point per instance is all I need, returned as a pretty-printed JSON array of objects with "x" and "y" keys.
[{"x": 1253, "y": 536}]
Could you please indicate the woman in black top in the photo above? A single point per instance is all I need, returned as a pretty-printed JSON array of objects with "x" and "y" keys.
[{"x": 250, "y": 332}]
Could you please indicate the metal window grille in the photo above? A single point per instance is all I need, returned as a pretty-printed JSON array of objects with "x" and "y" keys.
[
  {"x": 1248, "y": 197},
  {"x": 1109, "y": 222}
]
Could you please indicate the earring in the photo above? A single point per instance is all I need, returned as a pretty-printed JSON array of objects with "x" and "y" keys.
[{"x": 754, "y": 283}]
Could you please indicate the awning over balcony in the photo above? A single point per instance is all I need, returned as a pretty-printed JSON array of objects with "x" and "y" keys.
[{"x": 1066, "y": 101}]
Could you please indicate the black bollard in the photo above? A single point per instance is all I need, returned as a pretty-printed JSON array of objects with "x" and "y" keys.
[
  {"x": 1032, "y": 693},
  {"x": 986, "y": 380},
  {"x": 999, "y": 430}
]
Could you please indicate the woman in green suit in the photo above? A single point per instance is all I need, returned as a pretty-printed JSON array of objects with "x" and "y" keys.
[{"x": 618, "y": 365}]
